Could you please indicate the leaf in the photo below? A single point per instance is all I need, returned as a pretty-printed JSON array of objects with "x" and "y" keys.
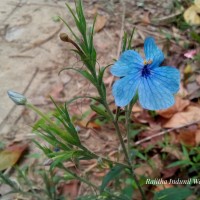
[
  {"x": 85, "y": 124},
  {"x": 191, "y": 15},
  {"x": 69, "y": 190},
  {"x": 11, "y": 155},
  {"x": 112, "y": 174},
  {"x": 100, "y": 110},
  {"x": 173, "y": 193},
  {"x": 151, "y": 169},
  {"x": 100, "y": 23},
  {"x": 191, "y": 114},
  {"x": 180, "y": 105},
  {"x": 173, "y": 151},
  {"x": 187, "y": 135},
  {"x": 197, "y": 137}
]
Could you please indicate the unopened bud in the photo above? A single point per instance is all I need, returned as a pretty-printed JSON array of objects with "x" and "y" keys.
[
  {"x": 64, "y": 37},
  {"x": 18, "y": 98}
]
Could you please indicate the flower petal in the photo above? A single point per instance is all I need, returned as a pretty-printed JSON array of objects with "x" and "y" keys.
[
  {"x": 152, "y": 52},
  {"x": 169, "y": 77},
  {"x": 128, "y": 61},
  {"x": 124, "y": 89},
  {"x": 153, "y": 95}
]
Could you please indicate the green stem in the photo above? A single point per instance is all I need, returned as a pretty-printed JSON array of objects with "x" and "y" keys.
[
  {"x": 31, "y": 106},
  {"x": 115, "y": 122},
  {"x": 103, "y": 158},
  {"x": 128, "y": 111}
]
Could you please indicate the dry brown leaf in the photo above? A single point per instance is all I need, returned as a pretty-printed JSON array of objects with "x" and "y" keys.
[
  {"x": 191, "y": 114},
  {"x": 11, "y": 155},
  {"x": 169, "y": 172},
  {"x": 86, "y": 124},
  {"x": 69, "y": 189},
  {"x": 173, "y": 151},
  {"x": 197, "y": 137},
  {"x": 145, "y": 18},
  {"x": 180, "y": 105},
  {"x": 187, "y": 136},
  {"x": 151, "y": 171},
  {"x": 137, "y": 108},
  {"x": 191, "y": 15},
  {"x": 100, "y": 23}
]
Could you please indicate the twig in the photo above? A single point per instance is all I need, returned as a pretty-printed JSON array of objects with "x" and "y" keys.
[
  {"x": 164, "y": 132},
  {"x": 121, "y": 37},
  {"x": 122, "y": 29},
  {"x": 41, "y": 42}
]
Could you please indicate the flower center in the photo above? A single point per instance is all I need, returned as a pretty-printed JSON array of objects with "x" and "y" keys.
[{"x": 145, "y": 70}]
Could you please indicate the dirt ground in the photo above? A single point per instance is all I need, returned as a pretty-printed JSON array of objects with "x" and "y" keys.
[{"x": 32, "y": 54}]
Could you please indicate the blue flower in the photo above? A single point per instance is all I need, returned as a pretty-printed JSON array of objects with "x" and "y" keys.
[{"x": 155, "y": 85}]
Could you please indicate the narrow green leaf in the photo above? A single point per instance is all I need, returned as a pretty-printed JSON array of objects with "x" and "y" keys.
[
  {"x": 112, "y": 174},
  {"x": 173, "y": 194},
  {"x": 101, "y": 73},
  {"x": 130, "y": 39},
  {"x": 100, "y": 110}
]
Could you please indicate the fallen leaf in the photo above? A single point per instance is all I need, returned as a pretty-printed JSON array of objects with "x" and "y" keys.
[
  {"x": 197, "y": 137},
  {"x": 187, "y": 136},
  {"x": 137, "y": 108},
  {"x": 86, "y": 124},
  {"x": 173, "y": 151},
  {"x": 190, "y": 53},
  {"x": 151, "y": 171},
  {"x": 145, "y": 18},
  {"x": 180, "y": 105},
  {"x": 191, "y": 114},
  {"x": 188, "y": 69},
  {"x": 11, "y": 155},
  {"x": 169, "y": 172},
  {"x": 69, "y": 190},
  {"x": 191, "y": 15},
  {"x": 100, "y": 23}
]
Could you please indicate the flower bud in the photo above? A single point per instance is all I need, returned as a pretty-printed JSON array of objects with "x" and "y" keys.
[{"x": 19, "y": 99}]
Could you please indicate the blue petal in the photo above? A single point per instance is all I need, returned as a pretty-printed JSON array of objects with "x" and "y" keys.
[
  {"x": 153, "y": 95},
  {"x": 152, "y": 52},
  {"x": 125, "y": 89},
  {"x": 129, "y": 61},
  {"x": 168, "y": 77}
]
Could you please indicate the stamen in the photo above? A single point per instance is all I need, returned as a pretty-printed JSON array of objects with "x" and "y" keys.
[{"x": 145, "y": 62}]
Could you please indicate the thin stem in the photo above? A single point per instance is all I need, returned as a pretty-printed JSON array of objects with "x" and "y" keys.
[
  {"x": 128, "y": 110},
  {"x": 115, "y": 122},
  {"x": 103, "y": 158},
  {"x": 31, "y": 106}
]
